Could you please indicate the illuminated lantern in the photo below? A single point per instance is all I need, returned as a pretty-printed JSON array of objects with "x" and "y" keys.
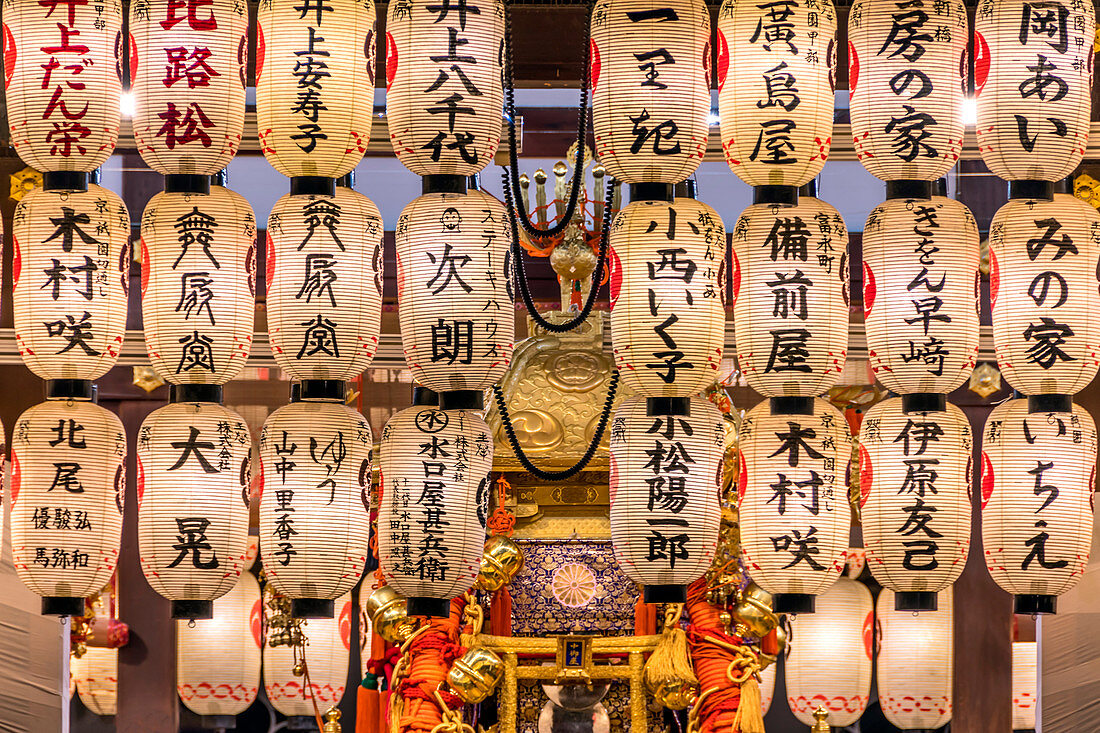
[
  {"x": 324, "y": 275},
  {"x": 1043, "y": 258},
  {"x": 915, "y": 480},
  {"x": 907, "y": 80},
  {"x": 916, "y": 669},
  {"x": 666, "y": 474},
  {"x": 767, "y": 687},
  {"x": 1025, "y": 684},
  {"x": 314, "y": 509},
  {"x": 193, "y": 542},
  {"x": 790, "y": 299},
  {"x": 920, "y": 294},
  {"x": 315, "y": 84},
  {"x": 67, "y": 484},
  {"x": 842, "y": 632},
  {"x": 454, "y": 293},
  {"x": 650, "y": 73},
  {"x": 63, "y": 82},
  {"x": 444, "y": 85},
  {"x": 71, "y": 273},
  {"x": 198, "y": 254},
  {"x": 434, "y": 480},
  {"x": 793, "y": 501},
  {"x": 1037, "y": 481},
  {"x": 667, "y": 280},
  {"x": 776, "y": 73},
  {"x": 1033, "y": 82},
  {"x": 218, "y": 659},
  {"x": 327, "y": 655},
  {"x": 187, "y": 69},
  {"x": 96, "y": 677}
]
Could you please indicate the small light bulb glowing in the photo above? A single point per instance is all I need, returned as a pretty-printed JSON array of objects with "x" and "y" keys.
[
  {"x": 713, "y": 119},
  {"x": 126, "y": 104},
  {"x": 969, "y": 111}
]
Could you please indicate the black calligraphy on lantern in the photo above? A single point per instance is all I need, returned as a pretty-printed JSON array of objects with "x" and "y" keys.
[
  {"x": 670, "y": 464},
  {"x": 192, "y": 541},
  {"x": 453, "y": 86},
  {"x": 1046, "y": 493},
  {"x": 1047, "y": 335},
  {"x": 436, "y": 454},
  {"x": 672, "y": 265}
]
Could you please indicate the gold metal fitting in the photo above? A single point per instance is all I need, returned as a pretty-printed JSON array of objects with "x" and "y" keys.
[
  {"x": 676, "y": 694},
  {"x": 332, "y": 724},
  {"x": 754, "y": 613},
  {"x": 389, "y": 615},
  {"x": 501, "y": 560},
  {"x": 821, "y": 720},
  {"x": 475, "y": 675}
]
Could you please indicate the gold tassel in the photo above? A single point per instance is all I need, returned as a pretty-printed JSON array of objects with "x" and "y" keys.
[
  {"x": 750, "y": 709},
  {"x": 668, "y": 672}
]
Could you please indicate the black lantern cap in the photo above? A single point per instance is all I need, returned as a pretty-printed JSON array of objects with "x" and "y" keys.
[
  {"x": 195, "y": 393},
  {"x": 908, "y": 188},
  {"x": 64, "y": 181},
  {"x": 1034, "y": 605},
  {"x": 1031, "y": 189},
  {"x": 473, "y": 183},
  {"x": 1049, "y": 403},
  {"x": 652, "y": 192},
  {"x": 923, "y": 402},
  {"x": 221, "y": 178},
  {"x": 424, "y": 397},
  {"x": 192, "y": 610},
  {"x": 1064, "y": 185},
  {"x": 916, "y": 600},
  {"x": 809, "y": 189},
  {"x": 312, "y": 608},
  {"x": 443, "y": 184},
  {"x": 779, "y": 195},
  {"x": 939, "y": 187},
  {"x": 425, "y": 606},
  {"x": 312, "y": 186},
  {"x": 660, "y": 406},
  {"x": 322, "y": 390},
  {"x": 688, "y": 189},
  {"x": 347, "y": 180},
  {"x": 295, "y": 392},
  {"x": 462, "y": 399},
  {"x": 70, "y": 389},
  {"x": 186, "y": 183},
  {"x": 791, "y": 405},
  {"x": 219, "y": 722},
  {"x": 62, "y": 606},
  {"x": 664, "y": 594},
  {"x": 793, "y": 603}
]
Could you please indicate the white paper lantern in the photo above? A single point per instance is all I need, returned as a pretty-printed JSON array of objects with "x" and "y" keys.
[
  {"x": 454, "y": 290},
  {"x": 650, "y": 71},
  {"x": 67, "y": 485},
  {"x": 315, "y": 84},
  {"x": 667, "y": 282},
  {"x": 907, "y": 80},
  {"x": 665, "y": 478},
  {"x": 327, "y": 655},
  {"x": 790, "y": 297},
  {"x": 324, "y": 268},
  {"x": 1033, "y": 82},
  {"x": 1043, "y": 258},
  {"x": 767, "y": 687},
  {"x": 434, "y": 481},
  {"x": 1038, "y": 472},
  {"x": 96, "y": 677},
  {"x": 1025, "y": 684},
  {"x": 776, "y": 74},
  {"x": 915, "y": 487},
  {"x": 444, "y": 85},
  {"x": 315, "y": 505},
  {"x": 198, "y": 282},
  {"x": 193, "y": 541},
  {"x": 63, "y": 81},
  {"x": 218, "y": 659},
  {"x": 71, "y": 275},
  {"x": 920, "y": 293},
  {"x": 916, "y": 668},
  {"x": 187, "y": 69},
  {"x": 792, "y": 498},
  {"x": 830, "y": 659}
]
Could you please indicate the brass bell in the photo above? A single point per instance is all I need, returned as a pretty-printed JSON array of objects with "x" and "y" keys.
[
  {"x": 754, "y": 612},
  {"x": 676, "y": 695},
  {"x": 299, "y": 669},
  {"x": 500, "y": 562},
  {"x": 389, "y": 614},
  {"x": 475, "y": 675}
]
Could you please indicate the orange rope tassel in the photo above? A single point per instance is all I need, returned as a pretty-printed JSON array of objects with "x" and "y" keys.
[
  {"x": 366, "y": 711},
  {"x": 645, "y": 618},
  {"x": 500, "y": 615},
  {"x": 721, "y": 698},
  {"x": 431, "y": 655}
]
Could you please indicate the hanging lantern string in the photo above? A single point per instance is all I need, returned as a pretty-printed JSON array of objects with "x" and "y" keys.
[
  {"x": 577, "y": 467},
  {"x": 516, "y": 208},
  {"x": 597, "y": 275}
]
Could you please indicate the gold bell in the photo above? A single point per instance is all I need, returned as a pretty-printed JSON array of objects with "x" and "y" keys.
[
  {"x": 500, "y": 562},
  {"x": 389, "y": 614},
  {"x": 781, "y": 642},
  {"x": 676, "y": 694},
  {"x": 332, "y": 724},
  {"x": 475, "y": 675},
  {"x": 754, "y": 612},
  {"x": 299, "y": 669}
]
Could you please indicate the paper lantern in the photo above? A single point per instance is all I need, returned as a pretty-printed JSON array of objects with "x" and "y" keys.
[
  {"x": 188, "y": 61},
  {"x": 67, "y": 485},
  {"x": 650, "y": 76},
  {"x": 1025, "y": 684},
  {"x": 315, "y": 84},
  {"x": 915, "y": 662},
  {"x": 71, "y": 275},
  {"x": 315, "y": 503},
  {"x": 915, "y": 487},
  {"x": 907, "y": 80},
  {"x": 1043, "y": 258},
  {"x": 790, "y": 297},
  {"x": 767, "y": 687},
  {"x": 327, "y": 655},
  {"x": 324, "y": 284},
  {"x": 1037, "y": 481},
  {"x": 218, "y": 659},
  {"x": 793, "y": 502},
  {"x": 96, "y": 677},
  {"x": 444, "y": 85},
  {"x": 434, "y": 481},
  {"x": 1033, "y": 82},
  {"x": 665, "y": 478},
  {"x": 198, "y": 282},
  {"x": 830, "y": 660},
  {"x": 193, "y": 541},
  {"x": 63, "y": 80},
  {"x": 454, "y": 290},
  {"x": 667, "y": 281},
  {"x": 921, "y": 294},
  {"x": 776, "y": 74}
]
